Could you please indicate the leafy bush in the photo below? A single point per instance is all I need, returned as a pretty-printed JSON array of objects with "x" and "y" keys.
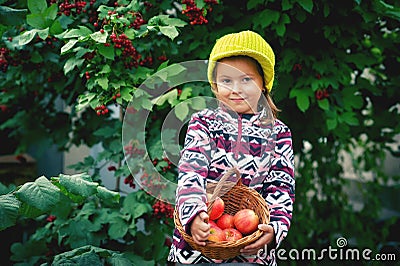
[{"x": 337, "y": 78}]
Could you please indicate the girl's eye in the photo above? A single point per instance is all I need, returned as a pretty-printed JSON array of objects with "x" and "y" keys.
[
  {"x": 226, "y": 81},
  {"x": 246, "y": 79}
]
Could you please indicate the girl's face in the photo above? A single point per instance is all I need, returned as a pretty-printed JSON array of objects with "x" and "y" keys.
[{"x": 239, "y": 84}]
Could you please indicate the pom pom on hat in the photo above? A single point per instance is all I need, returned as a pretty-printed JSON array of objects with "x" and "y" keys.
[{"x": 245, "y": 43}]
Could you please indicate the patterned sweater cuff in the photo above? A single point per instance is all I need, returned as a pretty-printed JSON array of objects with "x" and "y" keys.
[{"x": 280, "y": 232}]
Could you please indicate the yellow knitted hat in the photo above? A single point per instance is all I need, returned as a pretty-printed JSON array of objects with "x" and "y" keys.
[{"x": 246, "y": 43}]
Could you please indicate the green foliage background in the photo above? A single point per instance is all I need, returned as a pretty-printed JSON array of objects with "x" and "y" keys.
[{"x": 338, "y": 71}]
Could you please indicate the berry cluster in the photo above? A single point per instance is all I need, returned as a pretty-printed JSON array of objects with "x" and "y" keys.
[
  {"x": 130, "y": 151},
  {"x": 51, "y": 218},
  {"x": 148, "y": 5},
  {"x": 112, "y": 168},
  {"x": 101, "y": 110},
  {"x": 153, "y": 183},
  {"x": 67, "y": 8},
  {"x": 322, "y": 94},
  {"x": 162, "y": 209},
  {"x": 139, "y": 21},
  {"x": 4, "y": 56},
  {"x": 147, "y": 61},
  {"x": 87, "y": 75},
  {"x": 297, "y": 67},
  {"x": 129, "y": 181},
  {"x": 196, "y": 14},
  {"x": 165, "y": 168},
  {"x": 162, "y": 58},
  {"x": 117, "y": 95},
  {"x": 129, "y": 52}
]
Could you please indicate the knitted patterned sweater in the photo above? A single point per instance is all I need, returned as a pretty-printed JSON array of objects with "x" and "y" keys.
[{"x": 218, "y": 140}]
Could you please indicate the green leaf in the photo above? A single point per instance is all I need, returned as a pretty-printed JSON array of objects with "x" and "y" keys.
[
  {"x": 108, "y": 195},
  {"x": 169, "y": 31},
  {"x": 185, "y": 94},
  {"x": 119, "y": 260},
  {"x": 200, "y": 4},
  {"x": 78, "y": 185},
  {"x": 251, "y": 4},
  {"x": 12, "y": 17},
  {"x": 41, "y": 194},
  {"x": 266, "y": 17},
  {"x": 280, "y": 29},
  {"x": 27, "y": 37},
  {"x": 103, "y": 82},
  {"x": 126, "y": 94},
  {"x": 37, "y": 6},
  {"x": 174, "y": 22},
  {"x": 9, "y": 206},
  {"x": 105, "y": 69},
  {"x": 331, "y": 123},
  {"x": 303, "y": 102},
  {"x": 50, "y": 13},
  {"x": 139, "y": 260},
  {"x": 130, "y": 33},
  {"x": 135, "y": 208},
  {"x": 28, "y": 249},
  {"x": 170, "y": 96},
  {"x": 118, "y": 228},
  {"x": 78, "y": 33},
  {"x": 43, "y": 34},
  {"x": 99, "y": 37},
  {"x": 30, "y": 211},
  {"x": 286, "y": 5},
  {"x": 349, "y": 118},
  {"x": 56, "y": 28},
  {"x": 307, "y": 5},
  {"x": 106, "y": 51},
  {"x": 181, "y": 110},
  {"x": 323, "y": 104},
  {"x": 198, "y": 103},
  {"x": 36, "y": 57},
  {"x": 302, "y": 98},
  {"x": 66, "y": 47},
  {"x": 84, "y": 100},
  {"x": 71, "y": 63}
]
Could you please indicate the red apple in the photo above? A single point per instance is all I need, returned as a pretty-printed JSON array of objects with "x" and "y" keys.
[
  {"x": 212, "y": 224},
  {"x": 217, "y": 209},
  {"x": 231, "y": 234},
  {"x": 225, "y": 221},
  {"x": 246, "y": 221},
  {"x": 216, "y": 233}
]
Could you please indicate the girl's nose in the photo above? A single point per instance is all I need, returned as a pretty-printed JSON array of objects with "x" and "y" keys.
[{"x": 236, "y": 87}]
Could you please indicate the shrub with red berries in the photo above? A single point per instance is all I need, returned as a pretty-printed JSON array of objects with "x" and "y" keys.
[
  {"x": 195, "y": 13},
  {"x": 162, "y": 210},
  {"x": 68, "y": 7},
  {"x": 4, "y": 57}
]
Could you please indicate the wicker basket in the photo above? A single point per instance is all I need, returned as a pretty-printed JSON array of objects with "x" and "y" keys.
[{"x": 236, "y": 196}]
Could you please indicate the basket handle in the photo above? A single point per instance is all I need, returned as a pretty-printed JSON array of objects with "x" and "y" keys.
[{"x": 222, "y": 187}]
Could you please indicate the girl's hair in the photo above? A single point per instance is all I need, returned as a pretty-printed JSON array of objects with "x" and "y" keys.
[{"x": 268, "y": 99}]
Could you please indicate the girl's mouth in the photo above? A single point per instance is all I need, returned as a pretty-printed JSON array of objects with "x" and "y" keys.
[{"x": 238, "y": 99}]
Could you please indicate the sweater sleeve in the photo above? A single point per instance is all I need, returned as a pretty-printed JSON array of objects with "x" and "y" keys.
[
  {"x": 279, "y": 188},
  {"x": 193, "y": 169}
]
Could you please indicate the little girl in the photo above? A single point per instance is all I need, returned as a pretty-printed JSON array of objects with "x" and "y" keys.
[{"x": 241, "y": 74}]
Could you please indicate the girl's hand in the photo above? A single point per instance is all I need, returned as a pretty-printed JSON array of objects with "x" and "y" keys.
[
  {"x": 265, "y": 239},
  {"x": 200, "y": 228}
]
